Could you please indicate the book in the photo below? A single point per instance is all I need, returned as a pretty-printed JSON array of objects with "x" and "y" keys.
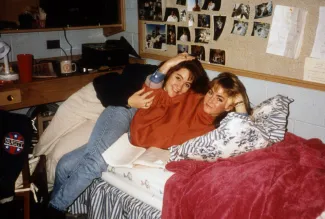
[{"x": 123, "y": 154}]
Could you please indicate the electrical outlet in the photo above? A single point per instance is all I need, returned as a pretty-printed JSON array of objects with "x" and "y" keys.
[{"x": 53, "y": 44}]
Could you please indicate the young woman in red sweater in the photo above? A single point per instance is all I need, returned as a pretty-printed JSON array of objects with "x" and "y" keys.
[{"x": 174, "y": 120}]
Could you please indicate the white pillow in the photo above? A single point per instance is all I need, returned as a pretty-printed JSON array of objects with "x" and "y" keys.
[
  {"x": 271, "y": 116},
  {"x": 236, "y": 134}
]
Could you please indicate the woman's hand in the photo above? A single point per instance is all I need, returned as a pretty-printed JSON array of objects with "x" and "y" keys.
[
  {"x": 140, "y": 99},
  {"x": 175, "y": 61},
  {"x": 239, "y": 103}
]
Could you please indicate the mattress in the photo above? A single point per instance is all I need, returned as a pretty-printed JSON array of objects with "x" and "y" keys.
[{"x": 141, "y": 182}]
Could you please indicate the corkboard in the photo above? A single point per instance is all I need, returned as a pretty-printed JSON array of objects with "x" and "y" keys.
[{"x": 245, "y": 55}]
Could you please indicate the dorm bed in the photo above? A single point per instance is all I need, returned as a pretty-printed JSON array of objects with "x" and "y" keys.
[
  {"x": 255, "y": 169},
  {"x": 285, "y": 180}
]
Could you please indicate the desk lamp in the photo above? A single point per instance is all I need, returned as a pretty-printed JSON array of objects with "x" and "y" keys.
[{"x": 5, "y": 74}]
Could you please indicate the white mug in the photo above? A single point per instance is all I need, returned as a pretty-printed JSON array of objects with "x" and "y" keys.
[{"x": 68, "y": 67}]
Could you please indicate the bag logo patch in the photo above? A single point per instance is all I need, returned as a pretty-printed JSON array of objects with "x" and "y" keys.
[{"x": 13, "y": 143}]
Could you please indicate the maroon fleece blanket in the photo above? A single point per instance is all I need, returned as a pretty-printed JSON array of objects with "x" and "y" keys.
[{"x": 286, "y": 180}]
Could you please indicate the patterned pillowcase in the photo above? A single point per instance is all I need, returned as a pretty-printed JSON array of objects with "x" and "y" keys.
[
  {"x": 271, "y": 117},
  {"x": 236, "y": 134}
]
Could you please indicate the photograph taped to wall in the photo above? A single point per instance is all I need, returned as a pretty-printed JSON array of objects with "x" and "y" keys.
[
  {"x": 217, "y": 56},
  {"x": 263, "y": 10},
  {"x": 181, "y": 2},
  {"x": 171, "y": 35},
  {"x": 156, "y": 36},
  {"x": 191, "y": 20},
  {"x": 150, "y": 10},
  {"x": 183, "y": 34},
  {"x": 171, "y": 15},
  {"x": 182, "y": 48},
  {"x": 198, "y": 52},
  {"x": 202, "y": 35},
  {"x": 239, "y": 28},
  {"x": 261, "y": 29},
  {"x": 219, "y": 24},
  {"x": 241, "y": 11},
  {"x": 203, "y": 20},
  {"x": 194, "y": 5},
  {"x": 182, "y": 16},
  {"x": 211, "y": 5}
]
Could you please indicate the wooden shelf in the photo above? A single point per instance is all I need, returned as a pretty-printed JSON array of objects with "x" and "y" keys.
[
  {"x": 11, "y": 12},
  {"x": 107, "y": 29},
  {"x": 111, "y": 30}
]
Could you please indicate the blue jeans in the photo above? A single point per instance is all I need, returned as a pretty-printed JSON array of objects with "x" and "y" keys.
[{"x": 77, "y": 169}]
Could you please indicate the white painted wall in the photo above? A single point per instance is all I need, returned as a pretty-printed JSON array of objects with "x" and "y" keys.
[{"x": 307, "y": 112}]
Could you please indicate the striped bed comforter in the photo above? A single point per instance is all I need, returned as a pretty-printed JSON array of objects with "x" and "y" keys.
[{"x": 102, "y": 201}]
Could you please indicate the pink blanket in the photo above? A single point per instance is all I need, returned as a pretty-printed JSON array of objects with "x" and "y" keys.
[{"x": 286, "y": 180}]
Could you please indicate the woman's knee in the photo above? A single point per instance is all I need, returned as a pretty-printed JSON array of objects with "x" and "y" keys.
[
  {"x": 95, "y": 164},
  {"x": 63, "y": 167}
]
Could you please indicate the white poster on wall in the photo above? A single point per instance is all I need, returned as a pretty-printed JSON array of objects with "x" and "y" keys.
[
  {"x": 319, "y": 43},
  {"x": 287, "y": 31}
]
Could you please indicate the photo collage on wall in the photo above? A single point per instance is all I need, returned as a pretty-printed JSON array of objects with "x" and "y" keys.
[
  {"x": 194, "y": 25},
  {"x": 241, "y": 14}
]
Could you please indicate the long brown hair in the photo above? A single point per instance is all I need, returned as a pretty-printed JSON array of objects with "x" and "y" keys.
[
  {"x": 232, "y": 86},
  {"x": 200, "y": 83}
]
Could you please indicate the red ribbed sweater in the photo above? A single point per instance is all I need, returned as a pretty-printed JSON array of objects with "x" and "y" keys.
[{"x": 170, "y": 121}]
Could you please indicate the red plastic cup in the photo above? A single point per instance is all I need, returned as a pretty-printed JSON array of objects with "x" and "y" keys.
[{"x": 25, "y": 65}]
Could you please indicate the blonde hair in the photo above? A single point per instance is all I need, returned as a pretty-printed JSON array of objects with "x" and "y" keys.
[{"x": 232, "y": 86}]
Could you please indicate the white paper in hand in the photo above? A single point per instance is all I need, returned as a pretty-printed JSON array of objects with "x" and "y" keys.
[{"x": 122, "y": 153}]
